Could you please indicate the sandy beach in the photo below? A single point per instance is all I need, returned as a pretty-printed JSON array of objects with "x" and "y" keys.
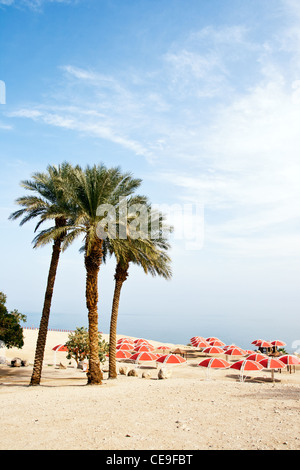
[{"x": 188, "y": 411}]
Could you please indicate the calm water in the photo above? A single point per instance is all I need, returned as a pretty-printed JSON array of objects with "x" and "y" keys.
[{"x": 165, "y": 329}]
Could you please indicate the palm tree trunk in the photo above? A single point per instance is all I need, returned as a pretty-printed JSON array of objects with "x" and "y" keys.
[
  {"x": 92, "y": 264},
  {"x": 121, "y": 275},
  {"x": 43, "y": 329}
]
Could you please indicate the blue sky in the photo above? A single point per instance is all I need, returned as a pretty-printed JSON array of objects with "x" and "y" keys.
[{"x": 199, "y": 99}]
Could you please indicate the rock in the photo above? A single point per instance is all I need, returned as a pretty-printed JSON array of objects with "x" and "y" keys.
[
  {"x": 24, "y": 363},
  {"x": 164, "y": 373},
  {"x": 16, "y": 362},
  {"x": 133, "y": 373},
  {"x": 123, "y": 370},
  {"x": 146, "y": 375}
]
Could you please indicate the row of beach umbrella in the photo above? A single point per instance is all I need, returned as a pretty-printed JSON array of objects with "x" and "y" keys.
[
  {"x": 252, "y": 360},
  {"x": 140, "y": 350}
]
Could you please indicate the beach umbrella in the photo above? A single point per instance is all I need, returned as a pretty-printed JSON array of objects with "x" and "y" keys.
[
  {"x": 201, "y": 344},
  {"x": 125, "y": 346},
  {"x": 217, "y": 343},
  {"x": 214, "y": 363},
  {"x": 213, "y": 350},
  {"x": 144, "y": 347},
  {"x": 59, "y": 348},
  {"x": 125, "y": 340},
  {"x": 196, "y": 338},
  {"x": 171, "y": 359},
  {"x": 122, "y": 354},
  {"x": 163, "y": 348},
  {"x": 212, "y": 338},
  {"x": 230, "y": 346},
  {"x": 278, "y": 343},
  {"x": 272, "y": 363},
  {"x": 140, "y": 340},
  {"x": 143, "y": 357},
  {"x": 263, "y": 344},
  {"x": 290, "y": 360},
  {"x": 256, "y": 341},
  {"x": 256, "y": 357},
  {"x": 246, "y": 365},
  {"x": 234, "y": 352}
]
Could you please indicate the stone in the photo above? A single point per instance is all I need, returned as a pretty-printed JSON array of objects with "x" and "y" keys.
[
  {"x": 123, "y": 370},
  {"x": 146, "y": 375},
  {"x": 164, "y": 373},
  {"x": 16, "y": 362},
  {"x": 133, "y": 373}
]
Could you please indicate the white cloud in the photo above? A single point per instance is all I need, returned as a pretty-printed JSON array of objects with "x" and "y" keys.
[{"x": 232, "y": 147}]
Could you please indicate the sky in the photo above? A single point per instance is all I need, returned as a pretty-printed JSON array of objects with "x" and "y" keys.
[{"x": 201, "y": 100}]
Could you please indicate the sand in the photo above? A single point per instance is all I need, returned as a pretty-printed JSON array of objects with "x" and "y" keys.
[{"x": 188, "y": 411}]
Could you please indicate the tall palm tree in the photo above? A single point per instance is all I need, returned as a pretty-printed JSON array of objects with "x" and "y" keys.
[
  {"x": 46, "y": 203},
  {"x": 148, "y": 252},
  {"x": 90, "y": 189}
]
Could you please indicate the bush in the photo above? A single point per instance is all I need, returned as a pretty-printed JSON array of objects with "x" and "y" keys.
[
  {"x": 78, "y": 345},
  {"x": 11, "y": 333}
]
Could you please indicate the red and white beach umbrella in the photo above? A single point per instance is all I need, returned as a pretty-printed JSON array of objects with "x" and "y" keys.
[
  {"x": 144, "y": 347},
  {"x": 125, "y": 340},
  {"x": 214, "y": 363},
  {"x": 278, "y": 343},
  {"x": 213, "y": 350},
  {"x": 211, "y": 338},
  {"x": 230, "y": 346},
  {"x": 246, "y": 365},
  {"x": 217, "y": 343},
  {"x": 171, "y": 359},
  {"x": 201, "y": 344},
  {"x": 256, "y": 341},
  {"x": 263, "y": 344},
  {"x": 235, "y": 352},
  {"x": 163, "y": 348},
  {"x": 256, "y": 357},
  {"x": 125, "y": 346},
  {"x": 60, "y": 347},
  {"x": 196, "y": 338},
  {"x": 122, "y": 354},
  {"x": 143, "y": 357},
  {"x": 272, "y": 363},
  {"x": 140, "y": 340},
  {"x": 290, "y": 360}
]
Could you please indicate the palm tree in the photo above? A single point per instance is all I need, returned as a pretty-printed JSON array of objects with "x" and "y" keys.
[
  {"x": 47, "y": 203},
  {"x": 148, "y": 252},
  {"x": 90, "y": 189}
]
